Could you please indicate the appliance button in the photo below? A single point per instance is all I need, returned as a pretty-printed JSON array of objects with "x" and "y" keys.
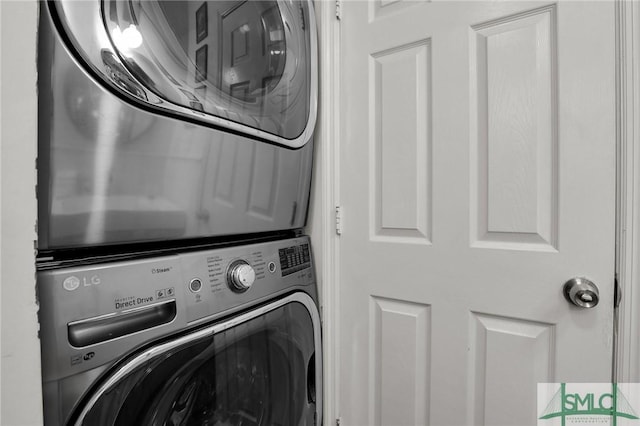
[
  {"x": 272, "y": 267},
  {"x": 195, "y": 285}
]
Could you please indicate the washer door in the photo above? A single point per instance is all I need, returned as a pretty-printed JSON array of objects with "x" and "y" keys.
[
  {"x": 261, "y": 368},
  {"x": 247, "y": 66}
]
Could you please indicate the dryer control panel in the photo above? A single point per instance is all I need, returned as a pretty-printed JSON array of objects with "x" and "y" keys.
[{"x": 91, "y": 315}]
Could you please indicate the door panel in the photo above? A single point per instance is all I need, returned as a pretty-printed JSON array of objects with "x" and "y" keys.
[
  {"x": 400, "y": 333},
  {"x": 477, "y": 176},
  {"x": 513, "y": 98},
  {"x": 530, "y": 347},
  {"x": 402, "y": 143}
]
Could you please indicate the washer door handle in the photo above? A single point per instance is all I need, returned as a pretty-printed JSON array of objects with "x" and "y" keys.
[{"x": 96, "y": 330}]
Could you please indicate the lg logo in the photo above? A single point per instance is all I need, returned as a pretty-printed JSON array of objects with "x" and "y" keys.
[{"x": 72, "y": 283}]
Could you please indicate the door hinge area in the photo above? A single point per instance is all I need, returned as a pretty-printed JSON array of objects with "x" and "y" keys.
[
  {"x": 339, "y": 421},
  {"x": 338, "y": 220},
  {"x": 338, "y": 10}
]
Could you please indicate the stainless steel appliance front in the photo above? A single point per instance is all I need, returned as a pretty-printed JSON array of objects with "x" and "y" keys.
[
  {"x": 173, "y": 120},
  {"x": 170, "y": 340}
]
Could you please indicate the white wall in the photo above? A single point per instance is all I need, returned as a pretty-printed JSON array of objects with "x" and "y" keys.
[{"x": 20, "y": 361}]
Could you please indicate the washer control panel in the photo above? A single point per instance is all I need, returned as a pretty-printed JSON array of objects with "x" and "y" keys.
[
  {"x": 92, "y": 314},
  {"x": 234, "y": 276}
]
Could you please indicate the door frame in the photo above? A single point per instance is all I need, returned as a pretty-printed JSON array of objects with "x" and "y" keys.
[
  {"x": 326, "y": 194},
  {"x": 626, "y": 340}
]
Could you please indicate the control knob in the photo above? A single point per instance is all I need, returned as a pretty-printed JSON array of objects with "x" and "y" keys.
[{"x": 240, "y": 276}]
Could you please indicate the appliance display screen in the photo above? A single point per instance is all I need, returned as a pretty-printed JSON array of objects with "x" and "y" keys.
[{"x": 294, "y": 259}]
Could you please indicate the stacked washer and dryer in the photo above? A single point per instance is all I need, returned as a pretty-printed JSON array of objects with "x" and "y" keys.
[{"x": 175, "y": 284}]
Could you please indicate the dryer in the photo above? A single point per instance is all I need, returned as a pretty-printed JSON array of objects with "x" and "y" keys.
[
  {"x": 229, "y": 336},
  {"x": 173, "y": 120}
]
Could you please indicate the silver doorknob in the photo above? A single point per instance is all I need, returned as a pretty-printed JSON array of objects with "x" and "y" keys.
[{"x": 581, "y": 292}]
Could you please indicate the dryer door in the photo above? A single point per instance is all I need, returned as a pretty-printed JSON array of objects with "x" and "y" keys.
[
  {"x": 247, "y": 66},
  {"x": 261, "y": 368}
]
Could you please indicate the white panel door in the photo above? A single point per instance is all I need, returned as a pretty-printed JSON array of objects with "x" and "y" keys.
[{"x": 477, "y": 176}]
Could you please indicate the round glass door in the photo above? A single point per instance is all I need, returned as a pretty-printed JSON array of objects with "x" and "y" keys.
[
  {"x": 259, "y": 372},
  {"x": 249, "y": 66}
]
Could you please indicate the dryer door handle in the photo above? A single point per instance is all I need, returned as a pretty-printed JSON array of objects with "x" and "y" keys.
[{"x": 100, "y": 329}]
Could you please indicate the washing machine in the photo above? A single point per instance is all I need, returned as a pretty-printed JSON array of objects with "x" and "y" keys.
[
  {"x": 173, "y": 121},
  {"x": 226, "y": 336}
]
